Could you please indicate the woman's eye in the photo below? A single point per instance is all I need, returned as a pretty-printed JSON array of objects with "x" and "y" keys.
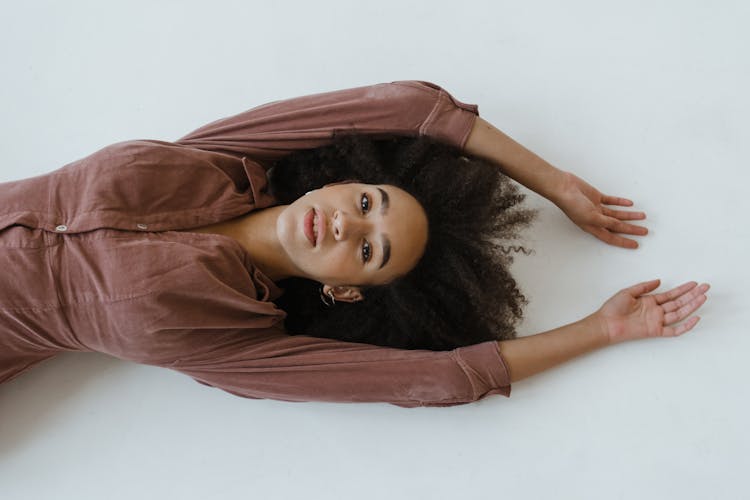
[
  {"x": 365, "y": 202},
  {"x": 366, "y": 251}
]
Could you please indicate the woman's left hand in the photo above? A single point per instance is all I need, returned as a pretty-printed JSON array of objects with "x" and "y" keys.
[{"x": 584, "y": 205}]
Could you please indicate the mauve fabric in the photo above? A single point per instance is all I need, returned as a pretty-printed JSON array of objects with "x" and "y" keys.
[{"x": 98, "y": 256}]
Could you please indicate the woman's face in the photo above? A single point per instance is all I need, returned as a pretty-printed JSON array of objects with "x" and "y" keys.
[{"x": 353, "y": 234}]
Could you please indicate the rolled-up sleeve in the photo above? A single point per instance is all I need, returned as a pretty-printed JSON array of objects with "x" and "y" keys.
[
  {"x": 274, "y": 365},
  {"x": 408, "y": 107}
]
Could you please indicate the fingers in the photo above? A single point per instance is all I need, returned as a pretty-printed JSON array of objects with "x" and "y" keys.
[
  {"x": 685, "y": 305},
  {"x": 673, "y": 331},
  {"x": 613, "y": 239},
  {"x": 605, "y": 228},
  {"x": 621, "y": 227},
  {"x": 672, "y": 294},
  {"x": 645, "y": 287},
  {"x": 623, "y": 215},
  {"x": 614, "y": 200}
]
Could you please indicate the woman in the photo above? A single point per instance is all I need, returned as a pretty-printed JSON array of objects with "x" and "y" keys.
[{"x": 167, "y": 254}]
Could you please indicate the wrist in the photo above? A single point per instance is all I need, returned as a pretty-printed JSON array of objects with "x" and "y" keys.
[
  {"x": 565, "y": 184},
  {"x": 553, "y": 185},
  {"x": 599, "y": 328}
]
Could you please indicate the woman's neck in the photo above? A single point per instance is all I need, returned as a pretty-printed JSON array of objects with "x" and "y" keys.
[{"x": 256, "y": 232}]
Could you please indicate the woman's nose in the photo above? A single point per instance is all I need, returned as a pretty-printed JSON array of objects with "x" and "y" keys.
[{"x": 345, "y": 226}]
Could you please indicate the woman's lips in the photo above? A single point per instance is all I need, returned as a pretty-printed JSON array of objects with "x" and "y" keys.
[
  {"x": 307, "y": 226},
  {"x": 321, "y": 220}
]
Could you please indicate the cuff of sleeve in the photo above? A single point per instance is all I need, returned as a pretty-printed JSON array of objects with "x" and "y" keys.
[
  {"x": 450, "y": 120},
  {"x": 486, "y": 369}
]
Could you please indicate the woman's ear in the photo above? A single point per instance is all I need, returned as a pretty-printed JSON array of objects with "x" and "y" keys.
[{"x": 344, "y": 293}]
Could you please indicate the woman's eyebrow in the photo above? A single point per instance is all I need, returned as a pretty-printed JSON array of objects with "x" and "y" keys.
[
  {"x": 385, "y": 243},
  {"x": 385, "y": 202}
]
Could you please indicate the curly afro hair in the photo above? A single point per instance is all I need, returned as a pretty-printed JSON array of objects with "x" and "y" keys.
[{"x": 460, "y": 292}]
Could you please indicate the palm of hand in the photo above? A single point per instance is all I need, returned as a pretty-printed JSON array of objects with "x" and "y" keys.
[
  {"x": 630, "y": 314},
  {"x": 640, "y": 317},
  {"x": 584, "y": 205}
]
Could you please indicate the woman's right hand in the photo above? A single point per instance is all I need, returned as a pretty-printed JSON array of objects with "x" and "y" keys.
[
  {"x": 585, "y": 206},
  {"x": 631, "y": 314}
]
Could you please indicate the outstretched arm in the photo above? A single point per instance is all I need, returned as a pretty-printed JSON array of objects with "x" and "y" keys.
[
  {"x": 410, "y": 108},
  {"x": 271, "y": 364},
  {"x": 580, "y": 201}
]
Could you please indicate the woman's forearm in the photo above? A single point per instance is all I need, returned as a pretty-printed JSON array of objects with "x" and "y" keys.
[
  {"x": 514, "y": 160},
  {"x": 526, "y": 356}
]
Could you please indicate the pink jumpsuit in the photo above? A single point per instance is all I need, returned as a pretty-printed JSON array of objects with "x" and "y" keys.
[{"x": 98, "y": 256}]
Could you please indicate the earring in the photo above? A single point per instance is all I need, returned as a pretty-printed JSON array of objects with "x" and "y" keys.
[{"x": 325, "y": 297}]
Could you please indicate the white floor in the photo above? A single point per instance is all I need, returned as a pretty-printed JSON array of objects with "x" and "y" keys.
[{"x": 647, "y": 100}]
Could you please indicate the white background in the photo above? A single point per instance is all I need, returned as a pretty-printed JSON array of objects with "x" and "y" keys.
[{"x": 643, "y": 99}]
